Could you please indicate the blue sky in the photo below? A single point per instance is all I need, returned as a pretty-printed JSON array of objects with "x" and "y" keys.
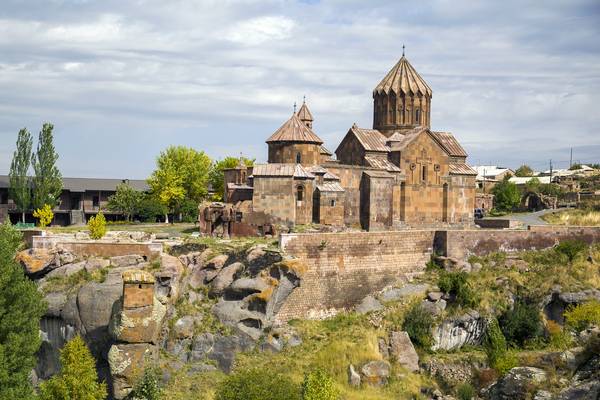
[{"x": 515, "y": 81}]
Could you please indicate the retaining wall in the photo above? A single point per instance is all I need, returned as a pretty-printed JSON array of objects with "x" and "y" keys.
[{"x": 150, "y": 250}]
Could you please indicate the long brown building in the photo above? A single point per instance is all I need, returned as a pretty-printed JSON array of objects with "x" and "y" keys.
[{"x": 397, "y": 175}]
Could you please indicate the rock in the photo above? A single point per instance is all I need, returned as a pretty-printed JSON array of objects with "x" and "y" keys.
[
  {"x": 94, "y": 263},
  {"x": 454, "y": 333},
  {"x": 167, "y": 286},
  {"x": 54, "y": 334},
  {"x": 244, "y": 287},
  {"x": 36, "y": 262},
  {"x": 555, "y": 304},
  {"x": 288, "y": 281},
  {"x": 171, "y": 264},
  {"x": 259, "y": 257},
  {"x": 574, "y": 357},
  {"x": 384, "y": 349},
  {"x": 137, "y": 325},
  {"x": 161, "y": 235},
  {"x": 543, "y": 395},
  {"x": 409, "y": 290},
  {"x": 56, "y": 301},
  {"x": 82, "y": 236},
  {"x": 434, "y": 309},
  {"x": 231, "y": 313},
  {"x": 204, "y": 273},
  {"x": 368, "y": 304},
  {"x": 476, "y": 267},
  {"x": 353, "y": 377},
  {"x": 453, "y": 372},
  {"x": 376, "y": 373},
  {"x": 434, "y": 296},
  {"x": 125, "y": 362},
  {"x": 518, "y": 264},
  {"x": 126, "y": 261},
  {"x": 66, "y": 270},
  {"x": 221, "y": 349},
  {"x": 403, "y": 351},
  {"x": 517, "y": 384},
  {"x": 62, "y": 257},
  {"x": 179, "y": 348},
  {"x": 224, "y": 278},
  {"x": 184, "y": 327}
]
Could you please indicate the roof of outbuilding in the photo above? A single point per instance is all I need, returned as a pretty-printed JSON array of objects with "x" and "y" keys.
[
  {"x": 403, "y": 78},
  {"x": 330, "y": 177},
  {"x": 90, "y": 184},
  {"x": 449, "y": 143},
  {"x": 377, "y": 174},
  {"x": 461, "y": 169},
  {"x": 294, "y": 130}
]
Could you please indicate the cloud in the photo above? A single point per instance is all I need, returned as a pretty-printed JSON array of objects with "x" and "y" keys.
[{"x": 515, "y": 81}]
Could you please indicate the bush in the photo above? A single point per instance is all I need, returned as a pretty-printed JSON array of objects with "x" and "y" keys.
[
  {"x": 466, "y": 391},
  {"x": 558, "y": 337},
  {"x": 255, "y": 384},
  {"x": 150, "y": 209},
  {"x": 456, "y": 284},
  {"x": 97, "y": 226},
  {"x": 189, "y": 211},
  {"x": 44, "y": 215},
  {"x": 77, "y": 379},
  {"x": 318, "y": 385},
  {"x": 147, "y": 388},
  {"x": 583, "y": 315},
  {"x": 496, "y": 349},
  {"x": 522, "y": 323},
  {"x": 506, "y": 196},
  {"x": 571, "y": 248},
  {"x": 418, "y": 323}
]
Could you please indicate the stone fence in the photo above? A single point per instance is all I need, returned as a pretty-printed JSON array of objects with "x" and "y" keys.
[{"x": 99, "y": 248}]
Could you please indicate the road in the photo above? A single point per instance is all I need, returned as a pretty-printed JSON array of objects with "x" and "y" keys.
[{"x": 532, "y": 218}]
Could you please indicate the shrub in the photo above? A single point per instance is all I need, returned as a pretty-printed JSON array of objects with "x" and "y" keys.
[
  {"x": 496, "y": 349},
  {"x": 318, "y": 385},
  {"x": 583, "y": 315},
  {"x": 97, "y": 226},
  {"x": 255, "y": 384},
  {"x": 457, "y": 285},
  {"x": 506, "y": 196},
  {"x": 418, "y": 323},
  {"x": 77, "y": 379},
  {"x": 44, "y": 215},
  {"x": 466, "y": 391},
  {"x": 558, "y": 337},
  {"x": 522, "y": 323},
  {"x": 570, "y": 248},
  {"x": 147, "y": 388}
]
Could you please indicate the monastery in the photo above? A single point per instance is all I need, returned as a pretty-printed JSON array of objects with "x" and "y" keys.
[{"x": 399, "y": 174}]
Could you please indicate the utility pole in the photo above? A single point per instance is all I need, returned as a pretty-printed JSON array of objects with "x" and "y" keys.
[
  {"x": 571, "y": 159},
  {"x": 551, "y": 171}
]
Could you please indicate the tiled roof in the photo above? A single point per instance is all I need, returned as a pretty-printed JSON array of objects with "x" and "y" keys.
[
  {"x": 330, "y": 177},
  {"x": 294, "y": 130},
  {"x": 137, "y": 276},
  {"x": 377, "y": 174},
  {"x": 449, "y": 143},
  {"x": 301, "y": 172},
  {"x": 382, "y": 163},
  {"x": 403, "y": 78},
  {"x": 274, "y": 170},
  {"x": 304, "y": 113},
  {"x": 370, "y": 139},
  {"x": 91, "y": 184},
  {"x": 325, "y": 151},
  {"x": 331, "y": 187},
  {"x": 317, "y": 169},
  {"x": 406, "y": 139},
  {"x": 461, "y": 169}
]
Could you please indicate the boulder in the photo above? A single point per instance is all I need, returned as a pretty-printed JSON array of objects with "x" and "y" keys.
[
  {"x": 36, "y": 262},
  {"x": 288, "y": 281},
  {"x": 585, "y": 384},
  {"x": 368, "y": 304},
  {"x": 555, "y": 304},
  {"x": 184, "y": 327},
  {"x": 244, "y": 287},
  {"x": 260, "y": 257},
  {"x": 408, "y": 290},
  {"x": 517, "y": 384},
  {"x": 434, "y": 308},
  {"x": 454, "y": 333},
  {"x": 353, "y": 377},
  {"x": 224, "y": 278},
  {"x": 231, "y": 313},
  {"x": 171, "y": 264},
  {"x": 56, "y": 302},
  {"x": 66, "y": 270},
  {"x": 376, "y": 373},
  {"x": 95, "y": 263},
  {"x": 125, "y": 362},
  {"x": 434, "y": 296},
  {"x": 402, "y": 350},
  {"x": 137, "y": 325},
  {"x": 167, "y": 286},
  {"x": 126, "y": 260},
  {"x": 221, "y": 349}
]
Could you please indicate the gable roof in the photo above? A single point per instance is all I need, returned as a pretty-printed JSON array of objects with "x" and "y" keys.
[
  {"x": 330, "y": 187},
  {"x": 403, "y": 78},
  {"x": 304, "y": 113},
  {"x": 449, "y": 143},
  {"x": 382, "y": 163},
  {"x": 294, "y": 130},
  {"x": 461, "y": 169},
  {"x": 281, "y": 170},
  {"x": 406, "y": 139},
  {"x": 370, "y": 139},
  {"x": 324, "y": 150}
]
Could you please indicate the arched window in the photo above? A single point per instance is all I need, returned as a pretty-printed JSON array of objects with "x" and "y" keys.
[
  {"x": 300, "y": 193},
  {"x": 298, "y": 158}
]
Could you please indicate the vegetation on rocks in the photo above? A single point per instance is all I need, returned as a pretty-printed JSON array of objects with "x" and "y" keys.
[
  {"x": 583, "y": 315},
  {"x": 418, "y": 323},
  {"x": 318, "y": 385},
  {"x": 257, "y": 384},
  {"x": 457, "y": 285}
]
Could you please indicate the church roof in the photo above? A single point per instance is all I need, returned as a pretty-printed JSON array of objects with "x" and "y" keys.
[
  {"x": 294, "y": 130},
  {"x": 407, "y": 138},
  {"x": 403, "y": 78},
  {"x": 382, "y": 163},
  {"x": 449, "y": 143},
  {"x": 330, "y": 187},
  {"x": 461, "y": 169},
  {"x": 273, "y": 169},
  {"x": 370, "y": 139},
  {"x": 324, "y": 150},
  {"x": 304, "y": 113}
]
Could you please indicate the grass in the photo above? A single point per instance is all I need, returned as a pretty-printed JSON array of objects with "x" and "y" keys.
[
  {"x": 574, "y": 217},
  {"x": 73, "y": 282}
]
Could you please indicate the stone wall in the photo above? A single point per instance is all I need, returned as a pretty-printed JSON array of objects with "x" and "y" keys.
[
  {"x": 275, "y": 196},
  {"x": 287, "y": 152},
  {"x": 98, "y": 248},
  {"x": 343, "y": 268}
]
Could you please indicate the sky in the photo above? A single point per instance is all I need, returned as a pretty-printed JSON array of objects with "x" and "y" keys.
[{"x": 516, "y": 81}]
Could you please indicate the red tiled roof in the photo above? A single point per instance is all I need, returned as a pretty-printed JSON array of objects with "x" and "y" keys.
[{"x": 294, "y": 130}]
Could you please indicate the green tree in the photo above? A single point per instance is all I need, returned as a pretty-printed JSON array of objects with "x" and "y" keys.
[
  {"x": 524, "y": 170},
  {"x": 181, "y": 174},
  {"x": 77, "y": 379},
  {"x": 521, "y": 323},
  {"x": 318, "y": 385},
  {"x": 21, "y": 308},
  {"x": 575, "y": 167},
  {"x": 97, "y": 226},
  {"x": 20, "y": 190},
  {"x": 47, "y": 180},
  {"x": 533, "y": 185},
  {"x": 150, "y": 208},
  {"x": 496, "y": 348},
  {"x": 255, "y": 384},
  {"x": 217, "y": 177},
  {"x": 126, "y": 200},
  {"x": 506, "y": 195},
  {"x": 418, "y": 323}
]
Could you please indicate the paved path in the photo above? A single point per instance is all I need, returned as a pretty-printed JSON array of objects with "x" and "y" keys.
[{"x": 533, "y": 218}]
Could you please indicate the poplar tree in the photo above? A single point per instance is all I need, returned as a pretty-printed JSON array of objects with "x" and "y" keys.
[
  {"x": 47, "y": 180},
  {"x": 19, "y": 189}
]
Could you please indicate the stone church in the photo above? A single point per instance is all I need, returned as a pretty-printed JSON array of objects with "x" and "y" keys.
[{"x": 399, "y": 174}]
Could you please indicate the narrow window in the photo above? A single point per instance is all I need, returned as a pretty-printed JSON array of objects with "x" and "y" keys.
[
  {"x": 418, "y": 116},
  {"x": 300, "y": 193},
  {"x": 298, "y": 158},
  {"x": 332, "y": 203},
  {"x": 424, "y": 173}
]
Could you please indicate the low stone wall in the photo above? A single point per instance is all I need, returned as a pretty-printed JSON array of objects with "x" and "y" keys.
[
  {"x": 149, "y": 250},
  {"x": 497, "y": 223},
  {"x": 343, "y": 268},
  {"x": 462, "y": 244}
]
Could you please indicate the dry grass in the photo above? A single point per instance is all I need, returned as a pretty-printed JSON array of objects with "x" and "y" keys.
[{"x": 574, "y": 217}]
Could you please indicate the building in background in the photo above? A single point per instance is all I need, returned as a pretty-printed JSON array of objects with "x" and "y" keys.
[{"x": 489, "y": 175}]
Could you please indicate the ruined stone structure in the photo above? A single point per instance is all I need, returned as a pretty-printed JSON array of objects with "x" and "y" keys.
[{"x": 400, "y": 174}]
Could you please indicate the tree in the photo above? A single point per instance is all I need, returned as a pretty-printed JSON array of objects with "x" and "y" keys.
[
  {"x": 20, "y": 190},
  {"x": 181, "y": 174},
  {"x": 533, "y": 185},
  {"x": 44, "y": 215},
  {"x": 77, "y": 379},
  {"x": 524, "y": 170},
  {"x": 150, "y": 208},
  {"x": 217, "y": 177},
  {"x": 97, "y": 226},
  {"x": 21, "y": 308},
  {"x": 47, "y": 180},
  {"x": 318, "y": 385},
  {"x": 506, "y": 195},
  {"x": 148, "y": 387},
  {"x": 126, "y": 200}
]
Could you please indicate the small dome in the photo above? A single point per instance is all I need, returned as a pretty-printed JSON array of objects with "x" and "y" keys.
[
  {"x": 304, "y": 113},
  {"x": 403, "y": 78},
  {"x": 294, "y": 130}
]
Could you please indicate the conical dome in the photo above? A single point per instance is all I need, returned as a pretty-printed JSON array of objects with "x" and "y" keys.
[
  {"x": 304, "y": 113},
  {"x": 403, "y": 78},
  {"x": 294, "y": 130}
]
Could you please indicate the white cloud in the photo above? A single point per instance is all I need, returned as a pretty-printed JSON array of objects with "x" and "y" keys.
[{"x": 256, "y": 31}]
